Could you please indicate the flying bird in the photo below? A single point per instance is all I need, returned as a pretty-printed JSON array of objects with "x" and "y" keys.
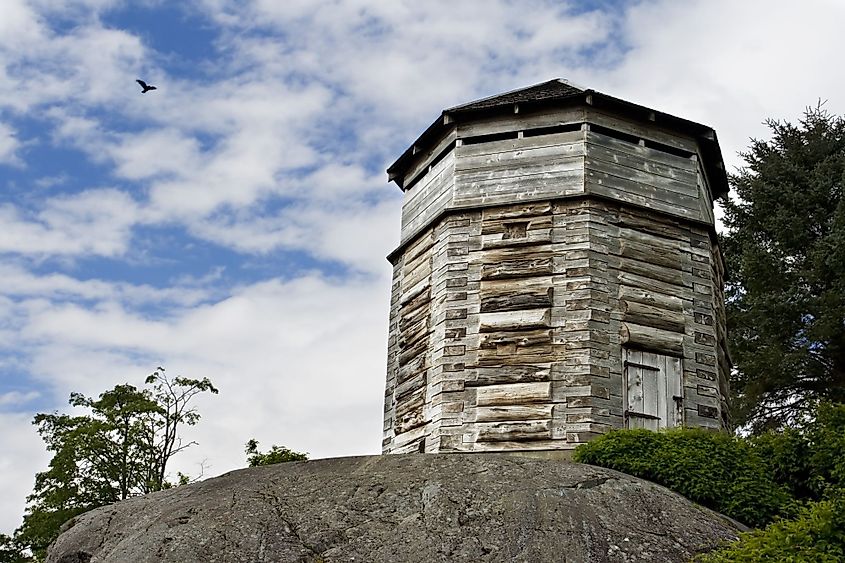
[{"x": 145, "y": 86}]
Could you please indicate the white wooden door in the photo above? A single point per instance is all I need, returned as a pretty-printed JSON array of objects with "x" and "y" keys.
[{"x": 653, "y": 390}]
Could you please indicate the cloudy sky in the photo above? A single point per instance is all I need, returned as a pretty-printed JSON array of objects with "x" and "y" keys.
[{"x": 233, "y": 224}]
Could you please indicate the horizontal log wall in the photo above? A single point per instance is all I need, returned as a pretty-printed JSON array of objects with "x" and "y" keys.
[
  {"x": 642, "y": 176},
  {"x": 515, "y": 291},
  {"x": 428, "y": 197},
  {"x": 529, "y": 309},
  {"x": 511, "y": 170},
  {"x": 538, "y": 163}
]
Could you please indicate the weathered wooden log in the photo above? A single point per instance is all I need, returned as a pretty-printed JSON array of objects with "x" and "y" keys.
[
  {"x": 656, "y": 317},
  {"x": 627, "y": 155},
  {"x": 412, "y": 321},
  {"x": 660, "y": 273},
  {"x": 412, "y": 402},
  {"x": 411, "y": 447},
  {"x": 649, "y": 284},
  {"x": 518, "y": 300},
  {"x": 513, "y": 412},
  {"x": 659, "y": 255},
  {"x": 662, "y": 341},
  {"x": 651, "y": 240},
  {"x": 644, "y": 131},
  {"x": 647, "y": 153},
  {"x": 504, "y": 431},
  {"x": 652, "y": 226},
  {"x": 531, "y": 238},
  {"x": 504, "y": 226},
  {"x": 415, "y": 298},
  {"x": 516, "y": 210},
  {"x": 409, "y": 336},
  {"x": 516, "y": 446},
  {"x": 512, "y": 152},
  {"x": 412, "y": 368},
  {"x": 417, "y": 349},
  {"x": 510, "y": 374},
  {"x": 513, "y": 394},
  {"x": 410, "y": 310},
  {"x": 537, "y": 266},
  {"x": 410, "y": 436},
  {"x": 419, "y": 246},
  {"x": 653, "y": 298},
  {"x": 408, "y": 421},
  {"x": 409, "y": 386},
  {"x": 509, "y": 355},
  {"x": 518, "y": 338},
  {"x": 514, "y": 320},
  {"x": 413, "y": 291},
  {"x": 494, "y": 189},
  {"x": 420, "y": 274},
  {"x": 494, "y": 170}
]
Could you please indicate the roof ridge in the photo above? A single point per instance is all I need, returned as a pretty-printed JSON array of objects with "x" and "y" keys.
[{"x": 515, "y": 91}]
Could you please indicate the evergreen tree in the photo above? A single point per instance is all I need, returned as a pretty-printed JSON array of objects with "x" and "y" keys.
[{"x": 785, "y": 290}]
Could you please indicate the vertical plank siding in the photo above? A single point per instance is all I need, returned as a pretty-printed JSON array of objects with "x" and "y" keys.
[{"x": 538, "y": 275}]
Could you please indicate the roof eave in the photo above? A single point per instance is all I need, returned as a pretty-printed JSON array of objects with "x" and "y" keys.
[
  {"x": 396, "y": 171},
  {"x": 706, "y": 136}
]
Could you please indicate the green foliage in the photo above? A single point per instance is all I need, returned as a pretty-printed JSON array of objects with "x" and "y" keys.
[
  {"x": 11, "y": 551},
  {"x": 817, "y": 535},
  {"x": 826, "y": 436},
  {"x": 808, "y": 459},
  {"x": 121, "y": 449},
  {"x": 276, "y": 454},
  {"x": 786, "y": 453},
  {"x": 714, "y": 469},
  {"x": 785, "y": 287}
]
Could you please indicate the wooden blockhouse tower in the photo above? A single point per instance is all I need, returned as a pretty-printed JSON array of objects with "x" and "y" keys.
[{"x": 558, "y": 275}]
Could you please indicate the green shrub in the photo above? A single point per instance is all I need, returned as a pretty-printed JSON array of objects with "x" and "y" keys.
[
  {"x": 714, "y": 469},
  {"x": 816, "y": 535},
  {"x": 276, "y": 454},
  {"x": 809, "y": 459},
  {"x": 826, "y": 435},
  {"x": 786, "y": 454}
]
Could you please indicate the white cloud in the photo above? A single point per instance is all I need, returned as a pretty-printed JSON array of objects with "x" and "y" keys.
[
  {"x": 358, "y": 235},
  {"x": 730, "y": 64},
  {"x": 153, "y": 153},
  {"x": 9, "y": 145},
  {"x": 279, "y": 144},
  {"x": 92, "y": 222},
  {"x": 298, "y": 362},
  {"x": 18, "y": 282},
  {"x": 19, "y": 25},
  {"x": 87, "y": 65},
  {"x": 21, "y": 457},
  {"x": 17, "y": 398}
]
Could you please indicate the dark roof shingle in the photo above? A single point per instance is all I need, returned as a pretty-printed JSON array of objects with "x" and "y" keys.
[{"x": 553, "y": 89}]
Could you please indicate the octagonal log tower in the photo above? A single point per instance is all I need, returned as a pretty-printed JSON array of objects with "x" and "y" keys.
[{"x": 558, "y": 275}]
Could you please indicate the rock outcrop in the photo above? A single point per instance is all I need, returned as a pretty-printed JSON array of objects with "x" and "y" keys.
[{"x": 403, "y": 508}]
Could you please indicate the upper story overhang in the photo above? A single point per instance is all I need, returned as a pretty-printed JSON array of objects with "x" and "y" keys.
[{"x": 557, "y": 94}]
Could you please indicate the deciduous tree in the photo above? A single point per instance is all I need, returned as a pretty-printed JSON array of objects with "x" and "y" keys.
[
  {"x": 120, "y": 448},
  {"x": 276, "y": 454}
]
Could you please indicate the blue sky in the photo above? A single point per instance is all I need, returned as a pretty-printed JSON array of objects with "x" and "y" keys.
[{"x": 233, "y": 223}]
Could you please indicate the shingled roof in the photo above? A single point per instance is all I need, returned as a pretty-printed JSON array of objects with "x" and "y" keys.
[{"x": 556, "y": 89}]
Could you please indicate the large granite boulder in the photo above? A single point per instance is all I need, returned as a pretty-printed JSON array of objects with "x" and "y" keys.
[{"x": 403, "y": 508}]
